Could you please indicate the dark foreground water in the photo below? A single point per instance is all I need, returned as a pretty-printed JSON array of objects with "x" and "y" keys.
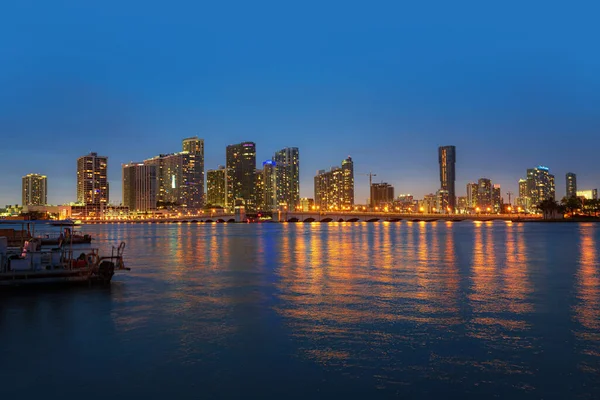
[{"x": 278, "y": 311}]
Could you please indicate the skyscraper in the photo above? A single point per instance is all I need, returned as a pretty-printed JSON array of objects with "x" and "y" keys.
[
  {"x": 497, "y": 198},
  {"x": 540, "y": 185},
  {"x": 35, "y": 190},
  {"x": 348, "y": 183},
  {"x": 484, "y": 194},
  {"x": 194, "y": 171},
  {"x": 523, "y": 200},
  {"x": 288, "y": 176},
  {"x": 259, "y": 190},
  {"x": 472, "y": 191},
  {"x": 216, "y": 182},
  {"x": 140, "y": 186},
  {"x": 241, "y": 164},
  {"x": 447, "y": 160},
  {"x": 571, "y": 185},
  {"x": 181, "y": 175},
  {"x": 334, "y": 189},
  {"x": 269, "y": 171},
  {"x": 92, "y": 182}
]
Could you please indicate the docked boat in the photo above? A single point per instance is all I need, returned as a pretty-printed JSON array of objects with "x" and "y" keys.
[
  {"x": 51, "y": 233},
  {"x": 30, "y": 265}
]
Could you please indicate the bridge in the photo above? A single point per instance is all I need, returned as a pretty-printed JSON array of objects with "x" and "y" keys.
[
  {"x": 358, "y": 216},
  {"x": 316, "y": 216}
]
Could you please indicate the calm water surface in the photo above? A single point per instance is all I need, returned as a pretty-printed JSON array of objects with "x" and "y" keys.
[{"x": 273, "y": 311}]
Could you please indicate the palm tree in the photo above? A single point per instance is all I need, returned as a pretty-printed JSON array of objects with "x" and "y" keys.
[
  {"x": 571, "y": 204},
  {"x": 550, "y": 208}
]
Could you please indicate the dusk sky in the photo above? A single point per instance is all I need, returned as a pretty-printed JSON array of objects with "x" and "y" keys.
[{"x": 512, "y": 85}]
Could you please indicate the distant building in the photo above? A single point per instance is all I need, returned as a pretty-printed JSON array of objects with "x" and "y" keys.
[
  {"x": 472, "y": 195},
  {"x": 447, "y": 161},
  {"x": 484, "y": 194},
  {"x": 334, "y": 189},
  {"x": 497, "y": 199},
  {"x": 269, "y": 171},
  {"x": 216, "y": 186},
  {"x": 35, "y": 190},
  {"x": 571, "y": 179},
  {"x": 591, "y": 194},
  {"x": 259, "y": 190},
  {"x": 306, "y": 204},
  {"x": 382, "y": 194},
  {"x": 287, "y": 161},
  {"x": 241, "y": 166},
  {"x": 428, "y": 204},
  {"x": 405, "y": 199},
  {"x": 523, "y": 201},
  {"x": 443, "y": 202},
  {"x": 92, "y": 181},
  {"x": 140, "y": 186},
  {"x": 540, "y": 186},
  {"x": 462, "y": 204},
  {"x": 181, "y": 175}
]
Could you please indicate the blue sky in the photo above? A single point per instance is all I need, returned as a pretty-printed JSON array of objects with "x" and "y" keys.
[{"x": 511, "y": 84}]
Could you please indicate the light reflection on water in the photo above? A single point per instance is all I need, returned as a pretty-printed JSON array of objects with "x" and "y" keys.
[{"x": 414, "y": 308}]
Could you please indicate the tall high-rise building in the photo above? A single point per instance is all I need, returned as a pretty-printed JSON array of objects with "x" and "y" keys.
[
  {"x": 381, "y": 193},
  {"x": 216, "y": 182},
  {"x": 35, "y": 190},
  {"x": 472, "y": 190},
  {"x": 334, "y": 189},
  {"x": 540, "y": 185},
  {"x": 259, "y": 190},
  {"x": 241, "y": 165},
  {"x": 497, "y": 198},
  {"x": 348, "y": 183},
  {"x": 523, "y": 200},
  {"x": 181, "y": 175},
  {"x": 92, "y": 180},
  {"x": 484, "y": 194},
  {"x": 571, "y": 185},
  {"x": 447, "y": 160},
  {"x": 140, "y": 186},
  {"x": 269, "y": 171},
  {"x": 194, "y": 171},
  {"x": 288, "y": 176}
]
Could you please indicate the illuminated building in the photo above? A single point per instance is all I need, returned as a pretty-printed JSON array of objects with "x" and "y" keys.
[
  {"x": 241, "y": 166},
  {"x": 472, "y": 195},
  {"x": 443, "y": 201},
  {"x": 181, "y": 175},
  {"x": 497, "y": 199},
  {"x": 571, "y": 185},
  {"x": 461, "y": 204},
  {"x": 523, "y": 200},
  {"x": 259, "y": 190},
  {"x": 140, "y": 186},
  {"x": 428, "y": 204},
  {"x": 405, "y": 199},
  {"x": 306, "y": 204},
  {"x": 447, "y": 160},
  {"x": 348, "y": 183},
  {"x": 591, "y": 194},
  {"x": 334, "y": 189},
  {"x": 484, "y": 194},
  {"x": 92, "y": 182},
  {"x": 216, "y": 183},
  {"x": 35, "y": 190},
  {"x": 382, "y": 194},
  {"x": 540, "y": 186},
  {"x": 288, "y": 176},
  {"x": 269, "y": 171}
]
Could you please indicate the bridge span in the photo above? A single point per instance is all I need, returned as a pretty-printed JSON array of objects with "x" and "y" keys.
[{"x": 315, "y": 216}]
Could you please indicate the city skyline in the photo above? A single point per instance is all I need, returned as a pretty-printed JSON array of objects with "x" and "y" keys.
[
  {"x": 386, "y": 85},
  {"x": 116, "y": 187}
]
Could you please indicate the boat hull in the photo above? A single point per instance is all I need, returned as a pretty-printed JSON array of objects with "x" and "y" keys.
[{"x": 50, "y": 278}]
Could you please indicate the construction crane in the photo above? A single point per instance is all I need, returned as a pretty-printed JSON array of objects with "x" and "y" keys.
[
  {"x": 370, "y": 175},
  {"x": 509, "y": 194}
]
